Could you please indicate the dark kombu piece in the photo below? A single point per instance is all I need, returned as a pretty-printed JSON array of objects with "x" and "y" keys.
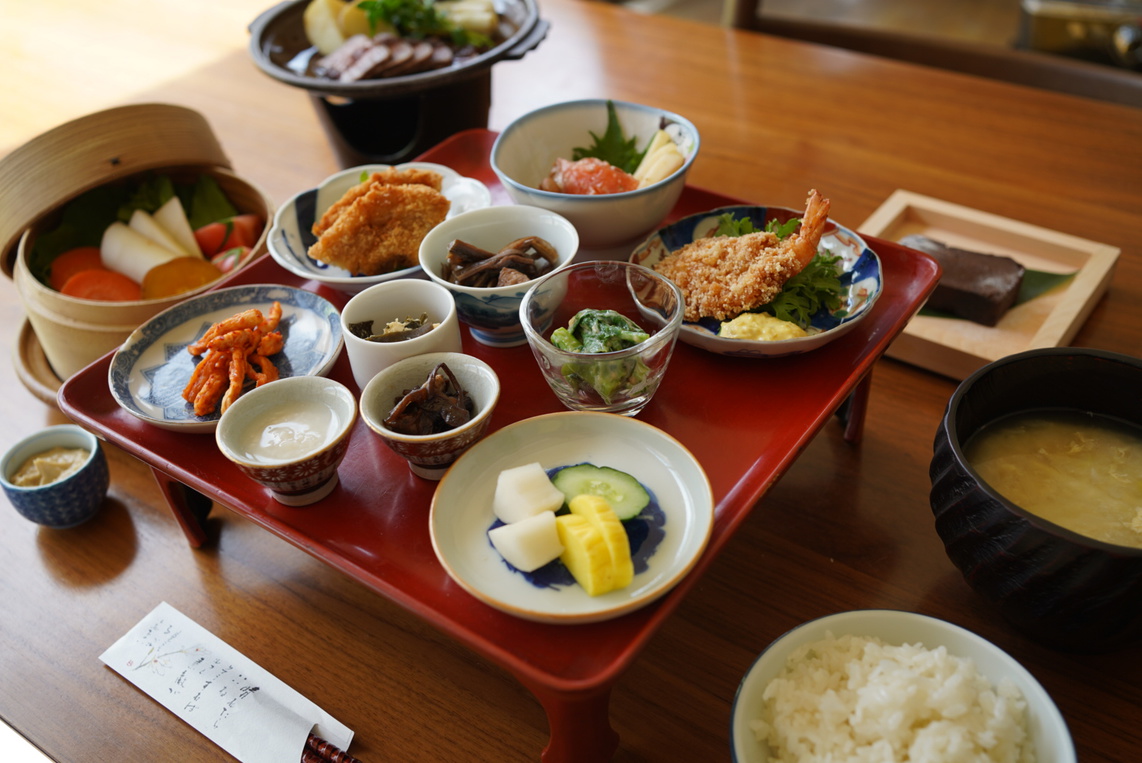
[{"x": 438, "y": 405}]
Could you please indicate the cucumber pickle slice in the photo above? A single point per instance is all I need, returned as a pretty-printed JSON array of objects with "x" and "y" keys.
[{"x": 624, "y": 493}]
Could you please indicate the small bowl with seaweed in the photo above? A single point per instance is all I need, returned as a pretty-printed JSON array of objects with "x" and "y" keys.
[
  {"x": 824, "y": 300},
  {"x": 394, "y": 320}
]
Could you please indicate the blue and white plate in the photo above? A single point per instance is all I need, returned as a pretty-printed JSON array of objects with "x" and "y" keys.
[
  {"x": 860, "y": 281},
  {"x": 149, "y": 372},
  {"x": 667, "y": 538},
  {"x": 291, "y": 234}
]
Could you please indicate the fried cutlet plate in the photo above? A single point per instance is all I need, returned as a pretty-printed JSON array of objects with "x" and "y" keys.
[
  {"x": 149, "y": 372},
  {"x": 860, "y": 279},
  {"x": 291, "y": 234}
]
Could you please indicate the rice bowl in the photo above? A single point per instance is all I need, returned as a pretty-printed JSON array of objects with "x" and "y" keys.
[{"x": 886, "y": 685}]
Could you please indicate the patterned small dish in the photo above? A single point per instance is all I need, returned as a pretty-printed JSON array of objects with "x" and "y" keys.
[
  {"x": 149, "y": 372},
  {"x": 65, "y": 502},
  {"x": 291, "y": 235},
  {"x": 492, "y": 313},
  {"x": 430, "y": 455},
  {"x": 860, "y": 281},
  {"x": 290, "y": 436}
]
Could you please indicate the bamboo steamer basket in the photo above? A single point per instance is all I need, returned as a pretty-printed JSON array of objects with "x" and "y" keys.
[{"x": 39, "y": 178}]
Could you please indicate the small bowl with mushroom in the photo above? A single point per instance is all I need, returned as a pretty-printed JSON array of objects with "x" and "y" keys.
[
  {"x": 488, "y": 258},
  {"x": 431, "y": 408}
]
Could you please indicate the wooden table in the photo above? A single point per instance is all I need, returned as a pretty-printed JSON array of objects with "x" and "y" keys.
[{"x": 847, "y": 527}]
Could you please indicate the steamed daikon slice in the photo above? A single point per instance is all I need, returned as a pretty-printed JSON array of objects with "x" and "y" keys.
[
  {"x": 152, "y": 229},
  {"x": 529, "y": 543},
  {"x": 524, "y": 491},
  {"x": 172, "y": 217},
  {"x": 129, "y": 252}
]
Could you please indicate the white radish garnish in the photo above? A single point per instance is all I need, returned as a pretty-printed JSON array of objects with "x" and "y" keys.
[
  {"x": 524, "y": 491},
  {"x": 172, "y": 217},
  {"x": 152, "y": 229},
  {"x": 529, "y": 543},
  {"x": 129, "y": 252}
]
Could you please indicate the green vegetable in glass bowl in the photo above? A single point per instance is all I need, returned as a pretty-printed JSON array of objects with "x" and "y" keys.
[{"x": 602, "y": 331}]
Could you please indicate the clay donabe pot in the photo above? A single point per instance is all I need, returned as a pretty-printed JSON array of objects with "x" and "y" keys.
[{"x": 393, "y": 119}]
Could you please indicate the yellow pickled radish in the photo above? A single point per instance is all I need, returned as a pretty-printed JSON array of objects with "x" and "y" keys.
[
  {"x": 599, "y": 513},
  {"x": 178, "y": 276},
  {"x": 585, "y": 553}
]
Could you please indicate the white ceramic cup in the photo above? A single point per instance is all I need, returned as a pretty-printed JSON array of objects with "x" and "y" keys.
[{"x": 398, "y": 300}]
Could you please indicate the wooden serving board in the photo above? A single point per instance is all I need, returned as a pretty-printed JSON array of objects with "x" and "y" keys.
[{"x": 955, "y": 347}]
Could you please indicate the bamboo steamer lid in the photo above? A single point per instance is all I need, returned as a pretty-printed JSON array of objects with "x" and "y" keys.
[{"x": 67, "y": 161}]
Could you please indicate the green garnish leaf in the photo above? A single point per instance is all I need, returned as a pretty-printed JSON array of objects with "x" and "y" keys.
[
  {"x": 613, "y": 146},
  {"x": 418, "y": 20},
  {"x": 728, "y": 225},
  {"x": 148, "y": 196},
  {"x": 205, "y": 202},
  {"x": 815, "y": 287}
]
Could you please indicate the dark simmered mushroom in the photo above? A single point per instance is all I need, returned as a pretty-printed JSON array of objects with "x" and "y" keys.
[
  {"x": 521, "y": 260},
  {"x": 438, "y": 405}
]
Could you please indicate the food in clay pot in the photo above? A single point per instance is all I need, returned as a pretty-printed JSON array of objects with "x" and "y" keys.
[
  {"x": 369, "y": 39},
  {"x": 518, "y": 262},
  {"x": 438, "y": 405}
]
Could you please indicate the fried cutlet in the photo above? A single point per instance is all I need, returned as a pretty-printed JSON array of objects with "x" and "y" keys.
[
  {"x": 724, "y": 276},
  {"x": 380, "y": 231},
  {"x": 387, "y": 176}
]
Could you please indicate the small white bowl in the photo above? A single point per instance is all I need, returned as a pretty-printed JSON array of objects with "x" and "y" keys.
[
  {"x": 291, "y": 234},
  {"x": 1045, "y": 724},
  {"x": 492, "y": 314},
  {"x": 297, "y": 468},
  {"x": 525, "y": 151},
  {"x": 430, "y": 455},
  {"x": 394, "y": 301}
]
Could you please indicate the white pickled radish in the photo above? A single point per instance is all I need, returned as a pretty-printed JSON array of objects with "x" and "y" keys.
[
  {"x": 172, "y": 217},
  {"x": 529, "y": 543},
  {"x": 129, "y": 252},
  {"x": 152, "y": 229},
  {"x": 524, "y": 491}
]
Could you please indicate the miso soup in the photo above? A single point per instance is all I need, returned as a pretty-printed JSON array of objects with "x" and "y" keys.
[{"x": 1078, "y": 470}]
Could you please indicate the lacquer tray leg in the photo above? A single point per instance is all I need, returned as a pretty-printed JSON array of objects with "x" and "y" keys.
[
  {"x": 852, "y": 411},
  {"x": 580, "y": 725},
  {"x": 188, "y": 506}
]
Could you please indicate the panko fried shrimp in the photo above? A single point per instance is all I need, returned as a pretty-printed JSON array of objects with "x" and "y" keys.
[
  {"x": 233, "y": 351},
  {"x": 377, "y": 226},
  {"x": 724, "y": 276}
]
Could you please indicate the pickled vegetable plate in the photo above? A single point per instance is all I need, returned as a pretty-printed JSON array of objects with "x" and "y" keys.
[{"x": 461, "y": 512}]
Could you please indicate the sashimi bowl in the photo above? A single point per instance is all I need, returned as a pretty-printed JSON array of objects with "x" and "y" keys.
[{"x": 529, "y": 150}]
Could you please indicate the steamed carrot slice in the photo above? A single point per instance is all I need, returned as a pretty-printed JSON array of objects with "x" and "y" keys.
[
  {"x": 103, "y": 285},
  {"x": 66, "y": 264}
]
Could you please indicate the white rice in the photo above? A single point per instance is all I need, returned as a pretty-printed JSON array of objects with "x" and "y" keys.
[{"x": 856, "y": 699}]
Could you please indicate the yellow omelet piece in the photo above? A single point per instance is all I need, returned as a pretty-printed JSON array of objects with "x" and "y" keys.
[
  {"x": 585, "y": 553},
  {"x": 600, "y": 514}
]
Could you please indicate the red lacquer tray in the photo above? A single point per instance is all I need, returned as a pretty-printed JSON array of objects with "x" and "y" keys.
[{"x": 374, "y": 526}]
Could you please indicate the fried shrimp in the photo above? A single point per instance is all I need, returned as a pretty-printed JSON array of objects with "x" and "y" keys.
[{"x": 724, "y": 276}]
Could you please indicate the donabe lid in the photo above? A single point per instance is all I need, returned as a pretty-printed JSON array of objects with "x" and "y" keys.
[{"x": 67, "y": 161}]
